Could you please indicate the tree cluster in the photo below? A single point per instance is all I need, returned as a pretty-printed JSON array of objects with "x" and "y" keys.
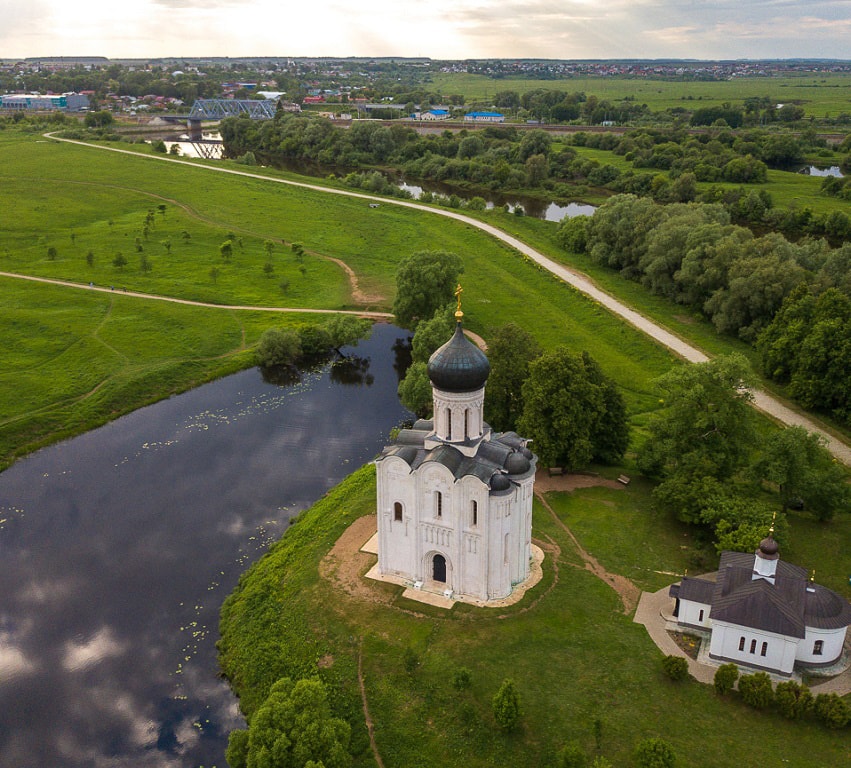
[
  {"x": 288, "y": 346},
  {"x": 792, "y": 299},
  {"x": 808, "y": 342},
  {"x": 702, "y": 448},
  {"x": 293, "y": 728}
]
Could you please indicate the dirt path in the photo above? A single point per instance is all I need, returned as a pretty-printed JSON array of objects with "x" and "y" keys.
[
  {"x": 370, "y": 725},
  {"x": 627, "y": 591},
  {"x": 189, "y": 302},
  {"x": 763, "y": 401}
]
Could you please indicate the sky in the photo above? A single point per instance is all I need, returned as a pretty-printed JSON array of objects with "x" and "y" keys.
[{"x": 440, "y": 29}]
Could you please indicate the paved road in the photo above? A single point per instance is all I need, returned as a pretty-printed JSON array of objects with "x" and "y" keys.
[{"x": 762, "y": 400}]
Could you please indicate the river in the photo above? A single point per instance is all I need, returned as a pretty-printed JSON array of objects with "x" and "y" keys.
[{"x": 118, "y": 547}]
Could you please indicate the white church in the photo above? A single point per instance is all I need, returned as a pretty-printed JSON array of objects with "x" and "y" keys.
[
  {"x": 455, "y": 499},
  {"x": 763, "y": 613}
]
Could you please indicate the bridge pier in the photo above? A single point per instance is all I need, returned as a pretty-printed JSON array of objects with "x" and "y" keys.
[{"x": 194, "y": 129}]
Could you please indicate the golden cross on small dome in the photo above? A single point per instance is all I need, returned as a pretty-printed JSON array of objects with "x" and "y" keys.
[{"x": 458, "y": 313}]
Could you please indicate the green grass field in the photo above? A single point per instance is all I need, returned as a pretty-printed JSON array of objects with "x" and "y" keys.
[
  {"x": 102, "y": 198},
  {"x": 573, "y": 654},
  {"x": 821, "y": 95}
]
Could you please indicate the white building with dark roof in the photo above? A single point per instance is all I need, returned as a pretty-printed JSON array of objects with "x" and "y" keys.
[
  {"x": 763, "y": 613},
  {"x": 454, "y": 499}
]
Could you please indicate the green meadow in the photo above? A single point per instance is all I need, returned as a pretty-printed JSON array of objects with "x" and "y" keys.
[
  {"x": 822, "y": 95},
  {"x": 79, "y": 199}
]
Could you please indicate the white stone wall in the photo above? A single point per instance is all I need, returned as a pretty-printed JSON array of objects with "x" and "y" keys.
[
  {"x": 458, "y": 415},
  {"x": 832, "y": 642},
  {"x": 780, "y": 653},
  {"x": 690, "y": 613}
]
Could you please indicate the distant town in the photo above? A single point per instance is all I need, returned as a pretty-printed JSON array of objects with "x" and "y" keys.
[{"x": 137, "y": 86}]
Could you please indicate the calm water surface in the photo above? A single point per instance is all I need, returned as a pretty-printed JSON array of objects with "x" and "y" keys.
[{"x": 118, "y": 547}]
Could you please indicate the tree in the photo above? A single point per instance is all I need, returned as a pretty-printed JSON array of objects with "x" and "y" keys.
[
  {"x": 675, "y": 667},
  {"x": 654, "y": 753},
  {"x": 293, "y": 728},
  {"x": 226, "y": 249},
  {"x": 90, "y": 258},
  {"x": 268, "y": 269},
  {"x": 100, "y": 119},
  {"x": 425, "y": 282},
  {"x": 804, "y": 471},
  {"x": 119, "y": 261},
  {"x": 278, "y": 346},
  {"x": 725, "y": 678},
  {"x": 51, "y": 252},
  {"x": 703, "y": 436},
  {"x": 506, "y": 706},
  {"x": 564, "y": 410},
  {"x": 145, "y": 263},
  {"x": 415, "y": 390},
  {"x": 214, "y": 274},
  {"x": 511, "y": 349},
  {"x": 756, "y": 690},
  {"x": 432, "y": 334},
  {"x": 315, "y": 340},
  {"x": 347, "y": 331}
]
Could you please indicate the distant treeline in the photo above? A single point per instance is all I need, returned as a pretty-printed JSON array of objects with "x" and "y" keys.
[
  {"x": 792, "y": 300},
  {"x": 667, "y": 164}
]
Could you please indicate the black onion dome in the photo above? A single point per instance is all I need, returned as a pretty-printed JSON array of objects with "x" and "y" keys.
[{"x": 459, "y": 365}]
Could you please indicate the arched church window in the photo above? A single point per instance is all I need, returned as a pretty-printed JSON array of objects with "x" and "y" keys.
[
  {"x": 475, "y": 518},
  {"x": 438, "y": 503},
  {"x": 448, "y": 423},
  {"x": 753, "y": 646},
  {"x": 764, "y": 649},
  {"x": 818, "y": 647},
  {"x": 466, "y": 424},
  {"x": 397, "y": 512},
  {"x": 741, "y": 643},
  {"x": 700, "y": 617}
]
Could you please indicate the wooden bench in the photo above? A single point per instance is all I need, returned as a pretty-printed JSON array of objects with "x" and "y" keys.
[
  {"x": 623, "y": 479},
  {"x": 556, "y": 471}
]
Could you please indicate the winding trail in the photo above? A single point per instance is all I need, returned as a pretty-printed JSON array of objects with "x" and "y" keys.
[
  {"x": 761, "y": 399},
  {"x": 173, "y": 300}
]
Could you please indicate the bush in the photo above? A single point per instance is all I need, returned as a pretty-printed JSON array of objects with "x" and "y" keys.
[
  {"x": 572, "y": 756},
  {"x": 654, "y": 753},
  {"x": 506, "y": 706},
  {"x": 831, "y": 710},
  {"x": 675, "y": 667},
  {"x": 793, "y": 700},
  {"x": 461, "y": 679},
  {"x": 756, "y": 690},
  {"x": 725, "y": 678}
]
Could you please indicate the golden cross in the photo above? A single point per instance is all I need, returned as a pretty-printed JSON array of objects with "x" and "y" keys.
[{"x": 458, "y": 291}]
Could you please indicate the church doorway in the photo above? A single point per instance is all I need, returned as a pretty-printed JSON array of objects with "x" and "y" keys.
[{"x": 439, "y": 568}]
